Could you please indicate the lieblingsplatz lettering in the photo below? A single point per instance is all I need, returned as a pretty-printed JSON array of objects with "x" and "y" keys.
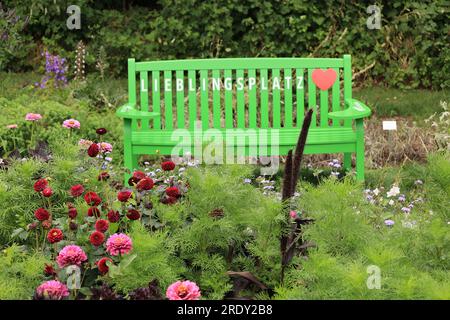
[{"x": 227, "y": 84}]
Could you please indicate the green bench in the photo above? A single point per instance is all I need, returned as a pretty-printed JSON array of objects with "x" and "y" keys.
[{"x": 250, "y": 96}]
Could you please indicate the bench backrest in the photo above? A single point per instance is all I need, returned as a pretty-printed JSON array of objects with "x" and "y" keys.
[{"x": 237, "y": 92}]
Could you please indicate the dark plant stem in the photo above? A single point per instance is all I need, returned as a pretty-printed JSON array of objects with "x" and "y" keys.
[{"x": 291, "y": 174}]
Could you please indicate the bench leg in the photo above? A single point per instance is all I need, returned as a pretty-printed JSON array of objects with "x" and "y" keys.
[
  {"x": 359, "y": 150},
  {"x": 130, "y": 160},
  {"x": 347, "y": 161}
]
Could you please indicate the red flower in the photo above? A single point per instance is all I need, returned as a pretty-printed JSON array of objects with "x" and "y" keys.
[
  {"x": 145, "y": 184},
  {"x": 49, "y": 270},
  {"x": 73, "y": 212},
  {"x": 46, "y": 224},
  {"x": 169, "y": 200},
  {"x": 41, "y": 214},
  {"x": 102, "y": 266},
  {"x": 73, "y": 226},
  {"x": 168, "y": 165},
  {"x": 47, "y": 192},
  {"x": 173, "y": 192},
  {"x": 103, "y": 176},
  {"x": 113, "y": 216},
  {"x": 97, "y": 238},
  {"x": 40, "y": 185},
  {"x": 101, "y": 131},
  {"x": 93, "y": 211},
  {"x": 138, "y": 175},
  {"x": 133, "y": 214},
  {"x": 92, "y": 198},
  {"x": 55, "y": 235},
  {"x": 76, "y": 190},
  {"x": 123, "y": 196},
  {"x": 101, "y": 225},
  {"x": 93, "y": 150}
]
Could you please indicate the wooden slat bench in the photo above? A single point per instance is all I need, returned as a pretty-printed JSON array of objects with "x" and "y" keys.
[{"x": 254, "y": 95}]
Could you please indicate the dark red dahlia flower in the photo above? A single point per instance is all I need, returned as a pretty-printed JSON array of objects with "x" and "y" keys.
[
  {"x": 173, "y": 192},
  {"x": 97, "y": 238},
  {"x": 76, "y": 190},
  {"x": 49, "y": 270},
  {"x": 92, "y": 198},
  {"x": 47, "y": 192},
  {"x": 145, "y": 184},
  {"x": 124, "y": 195},
  {"x": 101, "y": 131},
  {"x": 101, "y": 225},
  {"x": 113, "y": 216},
  {"x": 169, "y": 200},
  {"x": 93, "y": 212},
  {"x": 103, "y": 176},
  {"x": 47, "y": 224},
  {"x": 168, "y": 165},
  {"x": 40, "y": 185},
  {"x": 55, "y": 235},
  {"x": 102, "y": 266},
  {"x": 138, "y": 175},
  {"x": 73, "y": 213},
  {"x": 73, "y": 226},
  {"x": 133, "y": 214},
  {"x": 93, "y": 150},
  {"x": 41, "y": 214}
]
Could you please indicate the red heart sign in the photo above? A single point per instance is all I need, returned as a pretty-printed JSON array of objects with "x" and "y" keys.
[{"x": 324, "y": 79}]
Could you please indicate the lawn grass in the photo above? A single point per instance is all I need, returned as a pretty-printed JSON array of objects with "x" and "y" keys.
[{"x": 389, "y": 102}]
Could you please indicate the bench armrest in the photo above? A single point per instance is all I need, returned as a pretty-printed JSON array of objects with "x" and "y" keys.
[
  {"x": 128, "y": 111},
  {"x": 354, "y": 110}
]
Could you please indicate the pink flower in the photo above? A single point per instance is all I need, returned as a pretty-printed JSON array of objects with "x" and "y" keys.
[
  {"x": 118, "y": 243},
  {"x": 52, "y": 290},
  {"x": 183, "y": 290},
  {"x": 105, "y": 147},
  {"x": 71, "y": 124},
  {"x": 83, "y": 143},
  {"x": 33, "y": 117},
  {"x": 12, "y": 126},
  {"x": 293, "y": 214},
  {"x": 71, "y": 255}
]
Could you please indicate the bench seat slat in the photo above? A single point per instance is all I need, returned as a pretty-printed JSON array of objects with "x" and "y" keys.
[{"x": 287, "y": 136}]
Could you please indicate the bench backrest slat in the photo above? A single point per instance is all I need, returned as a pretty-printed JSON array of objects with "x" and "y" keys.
[
  {"x": 192, "y": 81},
  {"x": 204, "y": 103},
  {"x": 276, "y": 98},
  {"x": 264, "y": 98},
  {"x": 335, "y": 96},
  {"x": 312, "y": 97},
  {"x": 237, "y": 93},
  {"x": 240, "y": 98},
  {"x": 228, "y": 74},
  {"x": 300, "y": 95}
]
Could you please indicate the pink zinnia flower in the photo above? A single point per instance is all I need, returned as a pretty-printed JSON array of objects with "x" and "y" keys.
[
  {"x": 119, "y": 243},
  {"x": 105, "y": 147},
  {"x": 83, "y": 143},
  {"x": 183, "y": 290},
  {"x": 71, "y": 124},
  {"x": 71, "y": 255},
  {"x": 12, "y": 126},
  {"x": 52, "y": 290},
  {"x": 33, "y": 117}
]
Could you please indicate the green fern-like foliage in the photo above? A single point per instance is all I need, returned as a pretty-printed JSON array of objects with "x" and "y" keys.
[
  {"x": 153, "y": 260},
  {"x": 21, "y": 273}
]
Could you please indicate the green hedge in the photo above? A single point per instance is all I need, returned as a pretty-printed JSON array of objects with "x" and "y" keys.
[{"x": 409, "y": 51}]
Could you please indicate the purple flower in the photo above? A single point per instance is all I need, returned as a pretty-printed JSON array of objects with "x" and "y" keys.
[
  {"x": 389, "y": 222},
  {"x": 401, "y": 198},
  {"x": 406, "y": 209}
]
